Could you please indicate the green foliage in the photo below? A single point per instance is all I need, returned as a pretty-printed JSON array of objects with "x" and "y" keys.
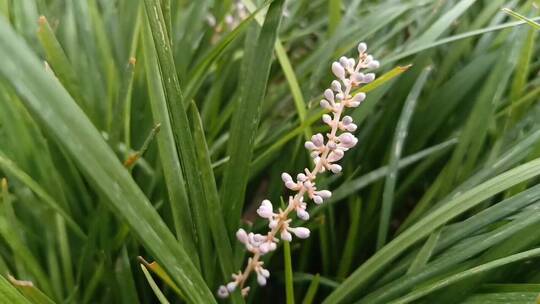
[{"x": 437, "y": 204}]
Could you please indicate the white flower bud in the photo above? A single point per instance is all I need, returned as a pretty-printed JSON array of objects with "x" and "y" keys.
[
  {"x": 346, "y": 120},
  {"x": 262, "y": 275},
  {"x": 327, "y": 119},
  {"x": 264, "y": 248},
  {"x": 362, "y": 47},
  {"x": 309, "y": 145},
  {"x": 347, "y": 140},
  {"x": 369, "y": 77},
  {"x": 286, "y": 177},
  {"x": 317, "y": 199},
  {"x": 264, "y": 272},
  {"x": 300, "y": 232},
  {"x": 265, "y": 210},
  {"x": 291, "y": 185},
  {"x": 329, "y": 95},
  {"x": 351, "y": 127},
  {"x": 331, "y": 145},
  {"x": 318, "y": 140},
  {"x": 344, "y": 61},
  {"x": 222, "y": 292},
  {"x": 272, "y": 224},
  {"x": 359, "y": 97},
  {"x": 242, "y": 236},
  {"x": 335, "y": 155},
  {"x": 374, "y": 64},
  {"x": 301, "y": 177},
  {"x": 302, "y": 214},
  {"x": 324, "y": 193},
  {"x": 231, "y": 286},
  {"x": 285, "y": 235},
  {"x": 350, "y": 63},
  {"x": 325, "y": 104},
  {"x": 338, "y": 70},
  {"x": 357, "y": 77},
  {"x": 336, "y": 86},
  {"x": 335, "y": 168},
  {"x": 261, "y": 280}
]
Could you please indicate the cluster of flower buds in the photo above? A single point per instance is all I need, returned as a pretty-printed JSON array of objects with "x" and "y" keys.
[{"x": 326, "y": 151}]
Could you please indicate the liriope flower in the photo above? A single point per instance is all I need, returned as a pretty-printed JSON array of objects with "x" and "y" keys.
[{"x": 326, "y": 151}]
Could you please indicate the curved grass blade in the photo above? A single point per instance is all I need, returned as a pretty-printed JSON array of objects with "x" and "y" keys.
[
  {"x": 159, "y": 294},
  {"x": 30, "y": 291},
  {"x": 423, "y": 227},
  {"x": 9, "y": 294},
  {"x": 312, "y": 290},
  {"x": 68, "y": 125},
  {"x": 418, "y": 49},
  {"x": 58, "y": 60},
  {"x": 422, "y": 291},
  {"x": 12, "y": 168},
  {"x": 531, "y": 22}
]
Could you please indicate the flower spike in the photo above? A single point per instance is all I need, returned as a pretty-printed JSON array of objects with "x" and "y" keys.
[{"x": 326, "y": 151}]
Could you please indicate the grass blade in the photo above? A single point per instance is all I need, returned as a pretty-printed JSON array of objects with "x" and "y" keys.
[
  {"x": 397, "y": 148},
  {"x": 533, "y": 253},
  {"x": 289, "y": 287},
  {"x": 172, "y": 168},
  {"x": 30, "y": 291},
  {"x": 68, "y": 125},
  {"x": 9, "y": 294},
  {"x": 429, "y": 223},
  {"x": 161, "y": 297},
  {"x": 531, "y": 22},
  {"x": 185, "y": 146},
  {"x": 312, "y": 290},
  {"x": 246, "y": 117}
]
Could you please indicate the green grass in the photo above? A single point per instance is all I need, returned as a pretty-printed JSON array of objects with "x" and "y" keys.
[{"x": 133, "y": 131}]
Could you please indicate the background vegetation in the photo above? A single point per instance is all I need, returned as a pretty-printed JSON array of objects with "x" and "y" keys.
[{"x": 141, "y": 128}]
